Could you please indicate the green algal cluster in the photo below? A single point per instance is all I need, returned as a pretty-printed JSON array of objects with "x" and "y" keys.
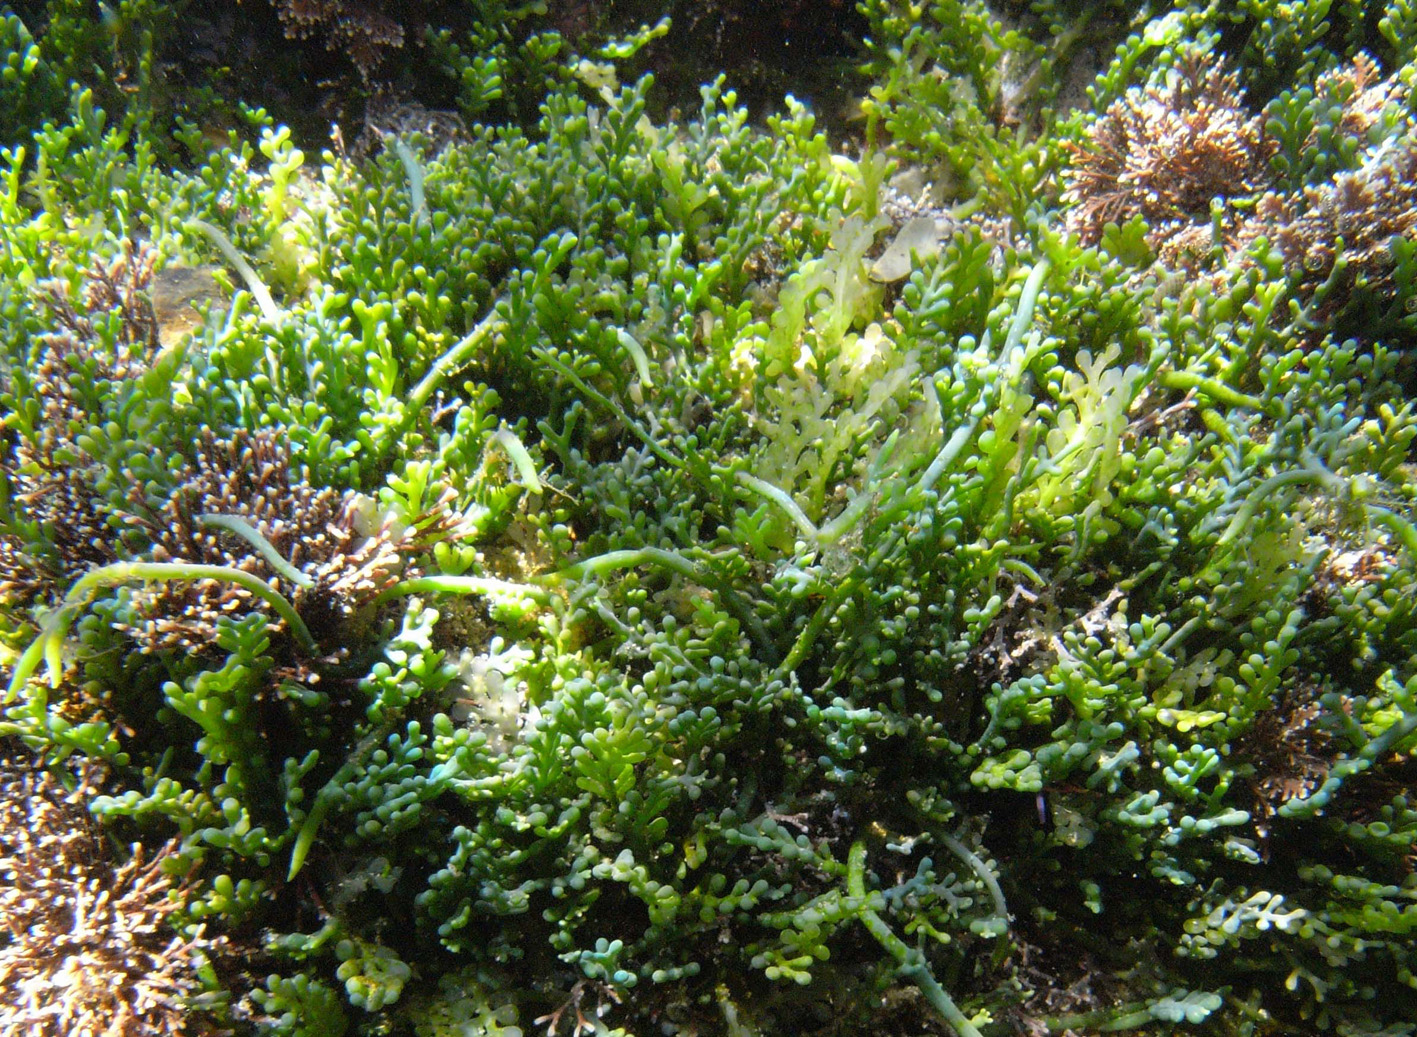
[{"x": 571, "y": 575}]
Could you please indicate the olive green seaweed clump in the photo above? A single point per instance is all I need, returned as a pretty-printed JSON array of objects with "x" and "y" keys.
[{"x": 558, "y": 576}]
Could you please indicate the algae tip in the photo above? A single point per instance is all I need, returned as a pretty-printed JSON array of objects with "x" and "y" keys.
[
  {"x": 415, "y": 179},
  {"x": 526, "y": 468},
  {"x": 637, "y": 355},
  {"x": 254, "y": 285}
]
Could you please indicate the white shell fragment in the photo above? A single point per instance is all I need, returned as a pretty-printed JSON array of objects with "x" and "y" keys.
[{"x": 921, "y": 236}]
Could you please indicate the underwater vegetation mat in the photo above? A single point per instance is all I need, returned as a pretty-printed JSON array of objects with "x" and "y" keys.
[{"x": 608, "y": 575}]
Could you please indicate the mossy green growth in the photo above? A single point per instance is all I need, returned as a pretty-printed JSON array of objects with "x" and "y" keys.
[{"x": 698, "y": 634}]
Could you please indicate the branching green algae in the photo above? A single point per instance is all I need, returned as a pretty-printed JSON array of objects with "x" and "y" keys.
[{"x": 566, "y": 589}]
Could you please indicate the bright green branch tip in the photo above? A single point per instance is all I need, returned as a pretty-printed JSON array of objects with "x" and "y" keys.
[
  {"x": 676, "y": 563},
  {"x": 249, "y": 533},
  {"x": 254, "y": 285},
  {"x": 526, "y": 468},
  {"x": 763, "y": 488},
  {"x": 415, "y": 179},
  {"x": 48, "y": 646}
]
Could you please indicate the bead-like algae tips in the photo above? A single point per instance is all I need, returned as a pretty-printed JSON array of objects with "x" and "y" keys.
[{"x": 565, "y": 589}]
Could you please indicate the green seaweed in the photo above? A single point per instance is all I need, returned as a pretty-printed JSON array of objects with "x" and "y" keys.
[{"x": 701, "y": 635}]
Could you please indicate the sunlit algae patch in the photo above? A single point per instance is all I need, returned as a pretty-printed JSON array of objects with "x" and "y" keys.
[{"x": 552, "y": 574}]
